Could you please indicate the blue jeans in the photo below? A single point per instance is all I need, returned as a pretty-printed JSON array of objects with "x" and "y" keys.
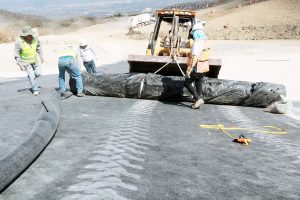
[
  {"x": 90, "y": 66},
  {"x": 33, "y": 71},
  {"x": 68, "y": 64}
]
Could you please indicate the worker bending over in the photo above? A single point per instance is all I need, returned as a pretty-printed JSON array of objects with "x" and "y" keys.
[
  {"x": 68, "y": 61},
  {"x": 26, "y": 49},
  {"x": 198, "y": 65}
]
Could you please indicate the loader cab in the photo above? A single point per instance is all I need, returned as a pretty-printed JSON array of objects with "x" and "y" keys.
[{"x": 171, "y": 32}]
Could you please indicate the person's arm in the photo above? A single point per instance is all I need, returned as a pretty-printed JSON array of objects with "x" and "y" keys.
[
  {"x": 78, "y": 59},
  {"x": 79, "y": 52},
  {"x": 40, "y": 51},
  {"x": 17, "y": 53},
  {"x": 192, "y": 61},
  {"x": 92, "y": 49}
]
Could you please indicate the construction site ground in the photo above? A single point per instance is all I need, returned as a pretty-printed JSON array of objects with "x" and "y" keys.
[{"x": 114, "y": 148}]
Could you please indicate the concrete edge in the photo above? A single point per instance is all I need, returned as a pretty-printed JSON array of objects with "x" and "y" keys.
[{"x": 44, "y": 129}]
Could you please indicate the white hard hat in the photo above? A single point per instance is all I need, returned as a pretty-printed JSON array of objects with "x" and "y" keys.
[
  {"x": 83, "y": 42},
  {"x": 198, "y": 26}
]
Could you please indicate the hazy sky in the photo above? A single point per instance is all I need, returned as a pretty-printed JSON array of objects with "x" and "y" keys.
[
  {"x": 65, "y": 8},
  {"x": 42, "y": 3}
]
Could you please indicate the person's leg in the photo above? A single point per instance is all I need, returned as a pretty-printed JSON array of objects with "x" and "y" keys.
[
  {"x": 75, "y": 73},
  {"x": 31, "y": 78},
  {"x": 93, "y": 67},
  {"x": 87, "y": 67},
  {"x": 37, "y": 69},
  {"x": 61, "y": 76},
  {"x": 198, "y": 83},
  {"x": 188, "y": 85}
]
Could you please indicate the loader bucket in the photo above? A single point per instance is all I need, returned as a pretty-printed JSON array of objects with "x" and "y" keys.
[{"x": 150, "y": 64}]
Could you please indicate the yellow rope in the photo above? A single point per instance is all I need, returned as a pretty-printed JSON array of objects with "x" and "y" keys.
[
  {"x": 226, "y": 133},
  {"x": 278, "y": 131}
]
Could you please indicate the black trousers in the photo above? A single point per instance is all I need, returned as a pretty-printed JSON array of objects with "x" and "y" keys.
[{"x": 197, "y": 90}]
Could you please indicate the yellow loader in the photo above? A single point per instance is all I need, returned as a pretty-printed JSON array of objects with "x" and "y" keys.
[{"x": 169, "y": 46}]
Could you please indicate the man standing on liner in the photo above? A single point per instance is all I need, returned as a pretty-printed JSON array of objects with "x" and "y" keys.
[
  {"x": 88, "y": 56},
  {"x": 198, "y": 65},
  {"x": 68, "y": 61},
  {"x": 26, "y": 49}
]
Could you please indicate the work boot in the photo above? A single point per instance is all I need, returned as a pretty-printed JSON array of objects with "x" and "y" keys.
[
  {"x": 269, "y": 108},
  {"x": 198, "y": 103},
  {"x": 80, "y": 94},
  {"x": 65, "y": 95}
]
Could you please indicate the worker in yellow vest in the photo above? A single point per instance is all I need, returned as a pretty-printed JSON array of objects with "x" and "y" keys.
[
  {"x": 198, "y": 65},
  {"x": 27, "y": 51},
  {"x": 68, "y": 61}
]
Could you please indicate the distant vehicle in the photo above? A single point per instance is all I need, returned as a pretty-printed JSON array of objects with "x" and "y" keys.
[{"x": 140, "y": 20}]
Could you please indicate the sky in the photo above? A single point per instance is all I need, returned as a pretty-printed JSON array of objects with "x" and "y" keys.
[{"x": 65, "y": 8}]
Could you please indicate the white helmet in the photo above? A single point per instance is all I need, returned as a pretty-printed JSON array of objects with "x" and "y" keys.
[
  {"x": 199, "y": 25},
  {"x": 83, "y": 42}
]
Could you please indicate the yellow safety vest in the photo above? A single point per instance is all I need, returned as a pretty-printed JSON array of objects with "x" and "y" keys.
[
  {"x": 203, "y": 64},
  {"x": 200, "y": 61},
  {"x": 68, "y": 52},
  {"x": 28, "y": 51}
]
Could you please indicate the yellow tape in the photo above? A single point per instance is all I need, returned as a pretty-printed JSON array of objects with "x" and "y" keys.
[{"x": 277, "y": 131}]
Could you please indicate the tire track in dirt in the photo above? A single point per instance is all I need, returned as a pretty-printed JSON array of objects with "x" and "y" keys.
[{"x": 117, "y": 159}]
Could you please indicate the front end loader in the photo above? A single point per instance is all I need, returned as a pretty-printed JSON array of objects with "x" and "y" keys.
[{"x": 169, "y": 46}]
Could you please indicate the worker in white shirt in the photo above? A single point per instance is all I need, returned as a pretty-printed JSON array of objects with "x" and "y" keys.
[{"x": 88, "y": 56}]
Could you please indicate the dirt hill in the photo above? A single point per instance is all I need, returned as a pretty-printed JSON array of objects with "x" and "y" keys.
[
  {"x": 239, "y": 20},
  {"x": 11, "y": 24}
]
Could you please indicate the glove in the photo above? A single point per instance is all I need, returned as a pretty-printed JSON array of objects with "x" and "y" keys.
[
  {"x": 188, "y": 72},
  {"x": 187, "y": 75},
  {"x": 22, "y": 67}
]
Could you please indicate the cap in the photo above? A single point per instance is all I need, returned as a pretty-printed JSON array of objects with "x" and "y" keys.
[{"x": 27, "y": 30}]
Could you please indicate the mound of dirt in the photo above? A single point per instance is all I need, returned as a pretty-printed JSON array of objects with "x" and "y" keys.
[
  {"x": 285, "y": 31},
  {"x": 263, "y": 20},
  {"x": 137, "y": 35}
]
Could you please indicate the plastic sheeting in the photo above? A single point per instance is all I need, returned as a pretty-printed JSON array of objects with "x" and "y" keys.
[
  {"x": 260, "y": 94},
  {"x": 14, "y": 163},
  {"x": 171, "y": 88},
  {"x": 283, "y": 106}
]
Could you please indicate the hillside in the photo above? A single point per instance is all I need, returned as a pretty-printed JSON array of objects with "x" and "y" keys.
[
  {"x": 273, "y": 19},
  {"x": 232, "y": 20},
  {"x": 240, "y": 20},
  {"x": 12, "y": 23}
]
